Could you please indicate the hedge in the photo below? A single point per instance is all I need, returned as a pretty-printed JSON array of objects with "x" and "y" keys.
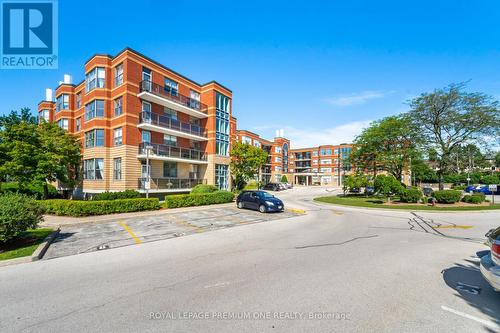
[
  {"x": 447, "y": 196},
  {"x": 33, "y": 189},
  {"x": 201, "y": 199},
  {"x": 87, "y": 208},
  {"x": 127, "y": 194},
  {"x": 410, "y": 195},
  {"x": 475, "y": 198},
  {"x": 202, "y": 188},
  {"x": 18, "y": 213}
]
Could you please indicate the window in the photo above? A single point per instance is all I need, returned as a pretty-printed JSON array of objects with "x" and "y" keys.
[
  {"x": 117, "y": 136},
  {"x": 277, "y": 150},
  {"x": 170, "y": 140},
  {"x": 222, "y": 112},
  {"x": 146, "y": 107},
  {"x": 277, "y": 159},
  {"x": 117, "y": 168},
  {"x": 326, "y": 179},
  {"x": 315, "y": 161},
  {"x": 257, "y": 144},
  {"x": 335, "y": 151},
  {"x": 170, "y": 169},
  {"x": 171, "y": 87},
  {"x": 146, "y": 136},
  {"x": 78, "y": 124},
  {"x": 93, "y": 169},
  {"x": 94, "y": 109},
  {"x": 43, "y": 114},
  {"x": 326, "y": 161},
  {"x": 277, "y": 168},
  {"x": 94, "y": 138},
  {"x": 95, "y": 79},
  {"x": 118, "y": 106},
  {"x": 194, "y": 100},
  {"x": 246, "y": 139},
  {"x": 78, "y": 100},
  {"x": 118, "y": 75},
  {"x": 315, "y": 153},
  {"x": 62, "y": 102},
  {"x": 171, "y": 114},
  {"x": 325, "y": 152},
  {"x": 325, "y": 170},
  {"x": 221, "y": 176},
  {"x": 146, "y": 78},
  {"x": 63, "y": 123}
]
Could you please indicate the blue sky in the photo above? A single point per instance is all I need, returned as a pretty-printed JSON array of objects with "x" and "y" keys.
[{"x": 319, "y": 69}]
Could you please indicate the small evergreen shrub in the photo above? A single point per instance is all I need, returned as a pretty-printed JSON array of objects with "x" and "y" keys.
[
  {"x": 18, "y": 213},
  {"x": 198, "y": 199},
  {"x": 447, "y": 196},
  {"x": 98, "y": 207},
  {"x": 203, "y": 188},
  {"x": 127, "y": 194},
  {"x": 475, "y": 198},
  {"x": 410, "y": 195}
]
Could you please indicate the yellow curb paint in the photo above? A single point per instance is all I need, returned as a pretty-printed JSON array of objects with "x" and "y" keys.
[
  {"x": 131, "y": 233},
  {"x": 453, "y": 227},
  {"x": 297, "y": 211}
]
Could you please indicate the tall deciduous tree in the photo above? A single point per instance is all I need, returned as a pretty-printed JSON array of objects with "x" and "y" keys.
[
  {"x": 390, "y": 142},
  {"x": 246, "y": 161},
  {"x": 451, "y": 117}
]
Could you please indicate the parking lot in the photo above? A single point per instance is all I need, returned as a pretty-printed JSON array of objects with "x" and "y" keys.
[{"x": 103, "y": 235}]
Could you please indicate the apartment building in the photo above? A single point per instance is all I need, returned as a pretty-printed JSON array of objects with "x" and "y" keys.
[{"x": 144, "y": 126}]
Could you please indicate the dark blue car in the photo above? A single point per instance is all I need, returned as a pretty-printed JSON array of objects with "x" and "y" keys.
[
  {"x": 259, "y": 200},
  {"x": 485, "y": 189}
]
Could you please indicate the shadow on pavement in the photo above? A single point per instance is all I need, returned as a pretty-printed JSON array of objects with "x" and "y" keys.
[{"x": 470, "y": 285}]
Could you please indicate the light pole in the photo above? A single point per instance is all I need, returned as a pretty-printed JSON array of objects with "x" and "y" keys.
[{"x": 148, "y": 178}]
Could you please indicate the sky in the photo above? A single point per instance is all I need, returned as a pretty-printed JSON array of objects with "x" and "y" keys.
[{"x": 320, "y": 70}]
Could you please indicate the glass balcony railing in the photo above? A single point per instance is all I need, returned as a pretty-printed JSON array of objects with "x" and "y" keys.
[
  {"x": 167, "y": 122},
  {"x": 171, "y": 183},
  {"x": 169, "y": 151},
  {"x": 172, "y": 95}
]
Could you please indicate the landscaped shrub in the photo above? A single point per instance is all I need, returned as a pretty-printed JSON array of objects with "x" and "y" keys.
[
  {"x": 284, "y": 179},
  {"x": 447, "y": 196},
  {"x": 33, "y": 189},
  {"x": 101, "y": 207},
  {"x": 410, "y": 195},
  {"x": 127, "y": 194},
  {"x": 200, "y": 199},
  {"x": 18, "y": 213},
  {"x": 253, "y": 185},
  {"x": 458, "y": 187},
  {"x": 202, "y": 188},
  {"x": 475, "y": 198}
]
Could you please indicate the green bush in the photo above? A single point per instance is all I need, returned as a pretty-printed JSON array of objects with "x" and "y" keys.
[
  {"x": 101, "y": 207},
  {"x": 447, "y": 196},
  {"x": 199, "y": 199},
  {"x": 18, "y": 213},
  {"x": 202, "y": 188},
  {"x": 387, "y": 185},
  {"x": 127, "y": 194},
  {"x": 410, "y": 195},
  {"x": 475, "y": 198},
  {"x": 33, "y": 189},
  {"x": 458, "y": 187},
  {"x": 284, "y": 179},
  {"x": 253, "y": 185}
]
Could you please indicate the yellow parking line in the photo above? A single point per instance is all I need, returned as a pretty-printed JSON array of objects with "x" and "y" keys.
[
  {"x": 131, "y": 233},
  {"x": 453, "y": 227},
  {"x": 184, "y": 223},
  {"x": 296, "y": 210}
]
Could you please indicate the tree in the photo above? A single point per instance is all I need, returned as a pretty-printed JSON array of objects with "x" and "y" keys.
[
  {"x": 246, "y": 162},
  {"x": 467, "y": 157},
  {"x": 450, "y": 117},
  {"x": 356, "y": 180},
  {"x": 284, "y": 179},
  {"x": 15, "y": 117},
  {"x": 390, "y": 142},
  {"x": 387, "y": 186},
  {"x": 497, "y": 160}
]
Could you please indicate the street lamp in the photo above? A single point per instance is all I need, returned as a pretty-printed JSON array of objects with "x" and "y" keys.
[{"x": 148, "y": 178}]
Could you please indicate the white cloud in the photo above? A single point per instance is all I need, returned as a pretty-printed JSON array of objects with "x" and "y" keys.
[
  {"x": 312, "y": 137},
  {"x": 358, "y": 98}
]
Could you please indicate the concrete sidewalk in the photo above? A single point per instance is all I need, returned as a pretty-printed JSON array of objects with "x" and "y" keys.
[{"x": 56, "y": 221}]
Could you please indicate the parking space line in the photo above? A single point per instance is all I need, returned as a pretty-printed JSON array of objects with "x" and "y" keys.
[
  {"x": 453, "y": 227},
  {"x": 186, "y": 224},
  {"x": 488, "y": 323},
  {"x": 131, "y": 233}
]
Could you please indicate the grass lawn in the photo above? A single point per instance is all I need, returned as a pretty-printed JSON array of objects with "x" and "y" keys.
[
  {"x": 24, "y": 245},
  {"x": 378, "y": 202}
]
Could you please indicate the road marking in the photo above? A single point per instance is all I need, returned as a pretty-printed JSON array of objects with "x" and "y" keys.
[
  {"x": 131, "y": 233},
  {"x": 485, "y": 322},
  {"x": 296, "y": 210},
  {"x": 453, "y": 227},
  {"x": 337, "y": 212},
  {"x": 186, "y": 224}
]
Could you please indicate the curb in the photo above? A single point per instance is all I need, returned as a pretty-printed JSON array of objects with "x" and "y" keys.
[
  {"x": 42, "y": 248},
  {"x": 37, "y": 254}
]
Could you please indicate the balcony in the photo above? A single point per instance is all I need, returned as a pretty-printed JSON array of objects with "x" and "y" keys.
[
  {"x": 163, "y": 124},
  {"x": 169, "y": 153},
  {"x": 170, "y": 184},
  {"x": 155, "y": 93}
]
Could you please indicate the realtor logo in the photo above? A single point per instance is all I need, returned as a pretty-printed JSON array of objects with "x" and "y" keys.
[{"x": 29, "y": 34}]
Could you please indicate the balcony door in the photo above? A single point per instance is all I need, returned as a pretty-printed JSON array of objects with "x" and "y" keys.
[{"x": 147, "y": 79}]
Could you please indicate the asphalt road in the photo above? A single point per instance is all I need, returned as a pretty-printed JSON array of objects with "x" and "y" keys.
[{"x": 332, "y": 269}]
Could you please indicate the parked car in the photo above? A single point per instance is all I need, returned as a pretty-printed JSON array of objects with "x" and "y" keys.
[
  {"x": 490, "y": 261},
  {"x": 282, "y": 186},
  {"x": 427, "y": 191},
  {"x": 272, "y": 187},
  {"x": 355, "y": 190},
  {"x": 288, "y": 185},
  {"x": 470, "y": 188},
  {"x": 485, "y": 189},
  {"x": 369, "y": 190},
  {"x": 259, "y": 200}
]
